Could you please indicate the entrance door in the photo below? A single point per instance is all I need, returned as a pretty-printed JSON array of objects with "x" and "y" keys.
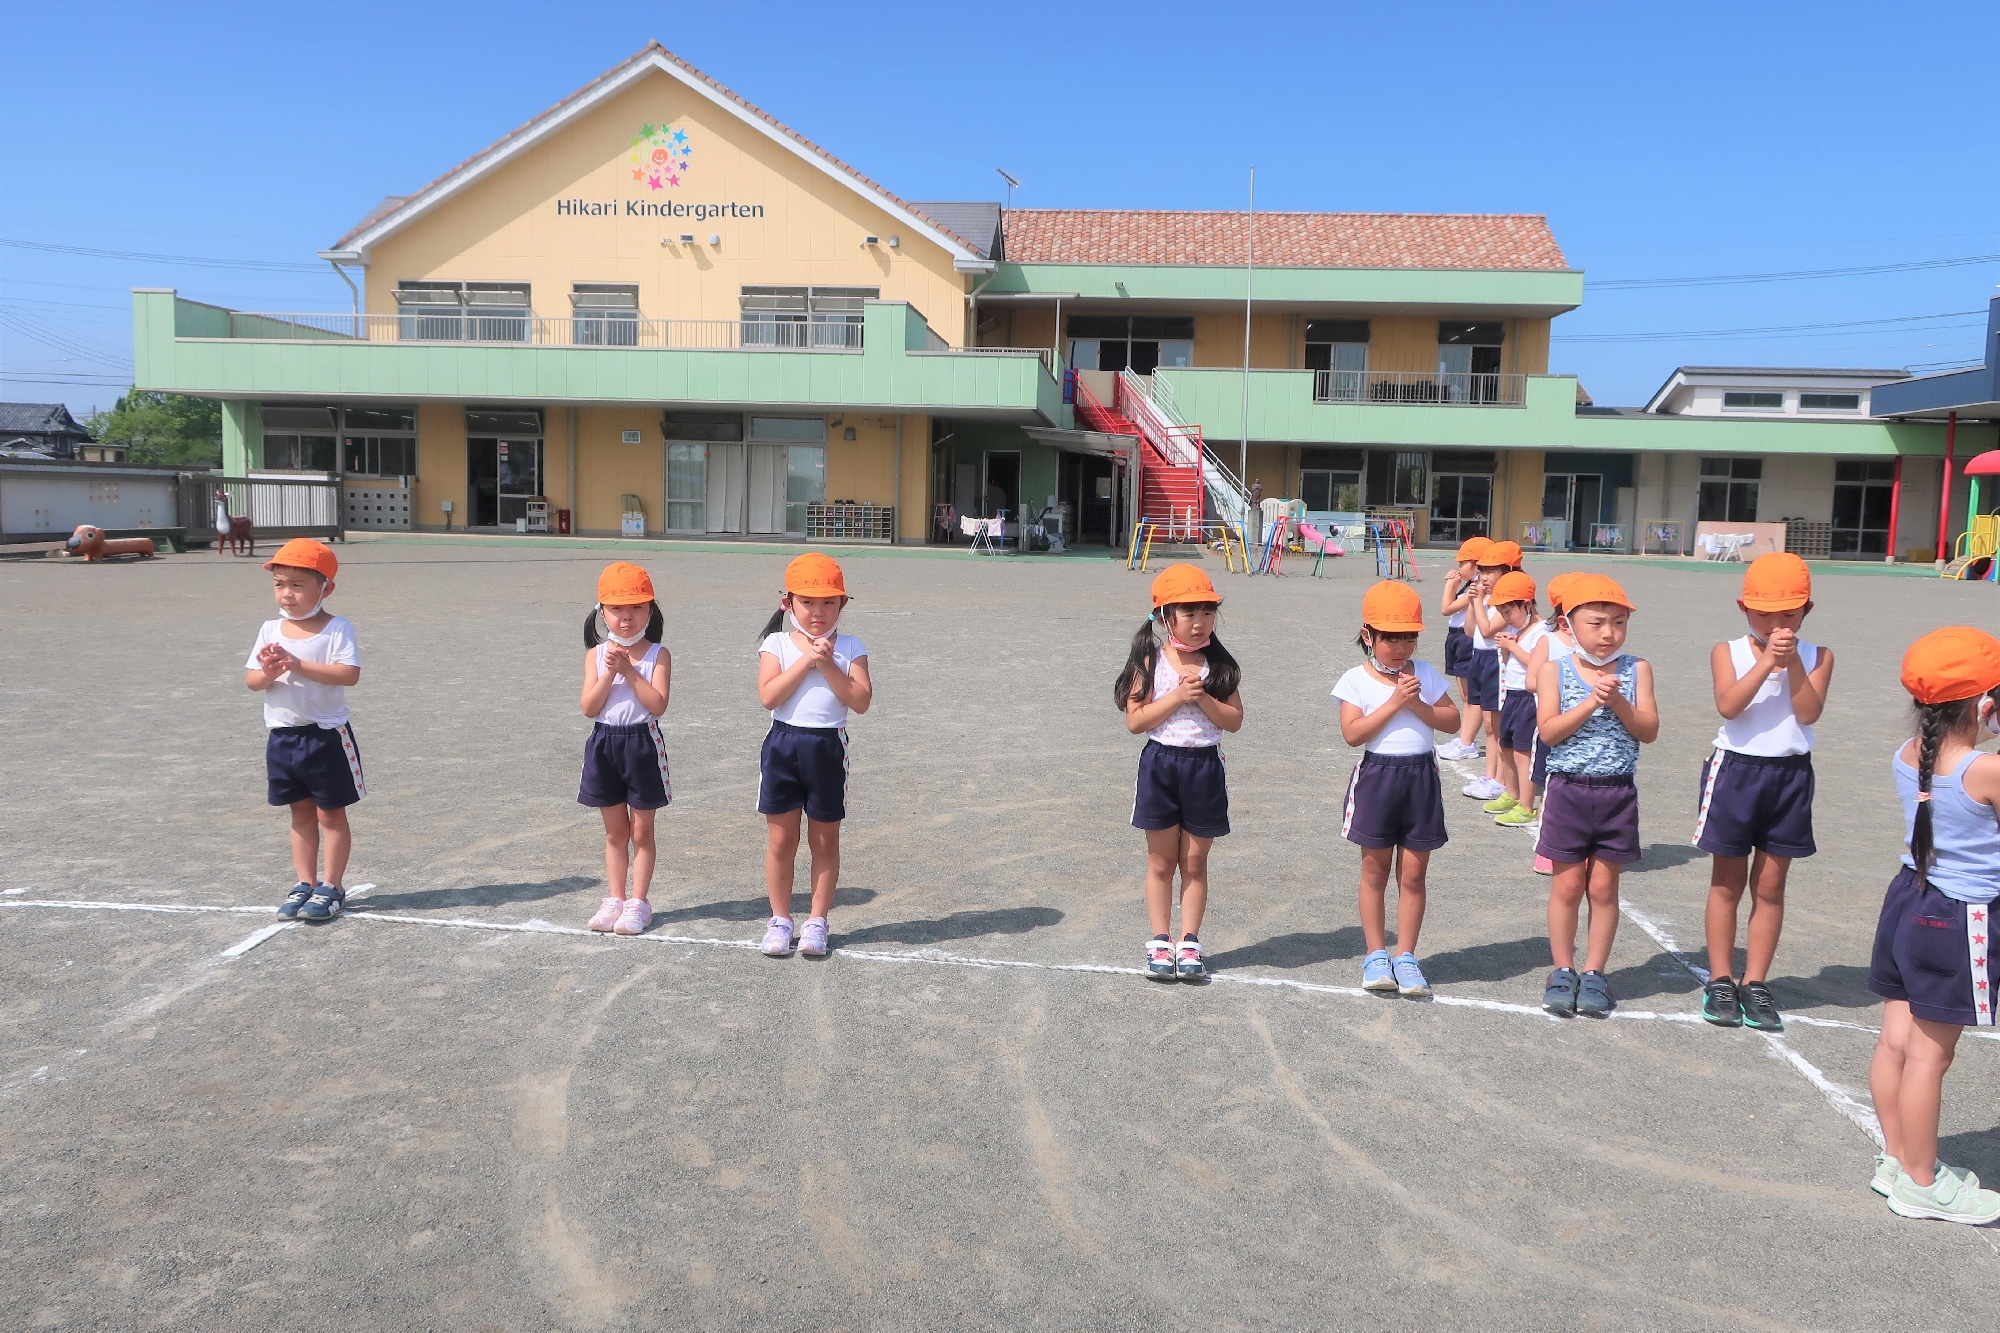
[
  {"x": 501, "y": 476},
  {"x": 767, "y": 489},
  {"x": 1573, "y": 497},
  {"x": 1002, "y": 486},
  {"x": 482, "y": 484},
  {"x": 725, "y": 488},
  {"x": 1862, "y": 490}
]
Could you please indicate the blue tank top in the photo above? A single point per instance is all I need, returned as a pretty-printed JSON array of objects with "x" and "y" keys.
[
  {"x": 1965, "y": 835},
  {"x": 1601, "y": 746}
]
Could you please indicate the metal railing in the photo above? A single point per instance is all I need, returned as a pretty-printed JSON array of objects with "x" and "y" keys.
[
  {"x": 485, "y": 330},
  {"x": 278, "y": 506},
  {"x": 1446, "y": 388},
  {"x": 1150, "y": 402},
  {"x": 943, "y": 348}
]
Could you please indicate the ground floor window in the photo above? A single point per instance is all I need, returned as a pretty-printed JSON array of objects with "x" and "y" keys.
[
  {"x": 1398, "y": 480},
  {"x": 1861, "y": 495},
  {"x": 302, "y": 439},
  {"x": 1728, "y": 490},
  {"x": 1461, "y": 506},
  {"x": 1330, "y": 491}
]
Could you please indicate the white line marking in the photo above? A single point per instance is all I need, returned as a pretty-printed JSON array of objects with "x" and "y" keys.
[
  {"x": 137, "y": 907},
  {"x": 255, "y": 938},
  {"x": 12, "y": 891},
  {"x": 359, "y": 890}
]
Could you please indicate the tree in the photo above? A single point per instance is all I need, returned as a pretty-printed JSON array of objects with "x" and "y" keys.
[{"x": 163, "y": 428}]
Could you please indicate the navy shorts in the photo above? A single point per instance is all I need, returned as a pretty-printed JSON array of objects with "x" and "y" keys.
[
  {"x": 803, "y": 768},
  {"x": 1457, "y": 652},
  {"x": 317, "y": 764},
  {"x": 1395, "y": 800},
  {"x": 1483, "y": 671},
  {"x": 1540, "y": 775},
  {"x": 1590, "y": 817},
  {"x": 1185, "y": 787},
  {"x": 1932, "y": 951},
  {"x": 1517, "y": 721},
  {"x": 1755, "y": 802},
  {"x": 625, "y": 766}
]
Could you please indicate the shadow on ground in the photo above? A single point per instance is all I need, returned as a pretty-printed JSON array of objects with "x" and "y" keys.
[
  {"x": 1302, "y": 949},
  {"x": 957, "y": 926},
  {"x": 1840, "y": 984},
  {"x": 1503, "y": 960},
  {"x": 477, "y": 895},
  {"x": 758, "y": 909},
  {"x": 1665, "y": 856}
]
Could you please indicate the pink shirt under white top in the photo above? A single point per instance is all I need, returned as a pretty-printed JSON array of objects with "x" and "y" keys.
[{"x": 1187, "y": 727}]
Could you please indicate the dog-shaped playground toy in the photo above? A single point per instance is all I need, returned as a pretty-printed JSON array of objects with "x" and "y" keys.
[{"x": 91, "y": 543}]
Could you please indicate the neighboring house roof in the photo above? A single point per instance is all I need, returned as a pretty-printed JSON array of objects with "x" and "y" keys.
[
  {"x": 1787, "y": 377},
  {"x": 387, "y": 217},
  {"x": 977, "y": 221},
  {"x": 1284, "y": 240},
  {"x": 40, "y": 419}
]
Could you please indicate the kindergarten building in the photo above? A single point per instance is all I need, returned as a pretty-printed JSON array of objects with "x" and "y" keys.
[{"x": 655, "y": 309}]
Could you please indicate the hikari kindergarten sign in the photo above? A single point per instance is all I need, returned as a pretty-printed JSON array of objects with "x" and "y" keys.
[{"x": 659, "y": 158}]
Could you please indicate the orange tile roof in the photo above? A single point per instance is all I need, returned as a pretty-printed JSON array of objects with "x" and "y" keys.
[{"x": 1284, "y": 240}]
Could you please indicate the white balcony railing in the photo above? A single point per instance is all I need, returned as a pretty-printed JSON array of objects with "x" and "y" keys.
[
  {"x": 1447, "y": 388},
  {"x": 488, "y": 329}
]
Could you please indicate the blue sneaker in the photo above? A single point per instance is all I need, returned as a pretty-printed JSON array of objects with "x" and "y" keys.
[
  {"x": 289, "y": 909},
  {"x": 1376, "y": 973},
  {"x": 1160, "y": 965},
  {"x": 1410, "y": 977},
  {"x": 1593, "y": 998},
  {"x": 1560, "y": 995},
  {"x": 325, "y": 904}
]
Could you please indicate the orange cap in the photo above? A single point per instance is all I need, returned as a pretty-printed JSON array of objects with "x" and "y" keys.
[
  {"x": 1584, "y": 589},
  {"x": 1473, "y": 547},
  {"x": 1956, "y": 662},
  {"x": 815, "y": 575},
  {"x": 1779, "y": 581},
  {"x": 1182, "y": 584},
  {"x": 305, "y": 553},
  {"x": 1501, "y": 553},
  {"x": 1558, "y": 588},
  {"x": 1513, "y": 587},
  {"x": 624, "y": 584},
  {"x": 1393, "y": 608}
]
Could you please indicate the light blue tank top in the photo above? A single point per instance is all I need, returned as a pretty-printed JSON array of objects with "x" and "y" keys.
[
  {"x": 1601, "y": 746},
  {"x": 1965, "y": 835}
]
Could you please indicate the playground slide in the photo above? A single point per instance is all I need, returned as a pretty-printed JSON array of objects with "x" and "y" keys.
[{"x": 1315, "y": 540}]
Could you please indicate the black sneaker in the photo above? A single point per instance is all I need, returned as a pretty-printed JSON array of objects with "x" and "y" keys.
[
  {"x": 289, "y": 909},
  {"x": 1760, "y": 1008},
  {"x": 1720, "y": 1004},
  {"x": 1593, "y": 998},
  {"x": 325, "y": 904},
  {"x": 1560, "y": 997}
]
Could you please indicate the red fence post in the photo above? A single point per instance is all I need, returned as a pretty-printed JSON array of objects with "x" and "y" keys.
[
  {"x": 1895, "y": 509},
  {"x": 1944, "y": 498}
]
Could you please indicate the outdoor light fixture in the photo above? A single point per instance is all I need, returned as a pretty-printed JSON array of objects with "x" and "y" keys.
[
  {"x": 895, "y": 241},
  {"x": 871, "y": 240},
  {"x": 687, "y": 238},
  {"x": 715, "y": 240}
]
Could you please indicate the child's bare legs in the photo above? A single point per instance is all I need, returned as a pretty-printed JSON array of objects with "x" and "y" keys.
[
  {"x": 1521, "y": 772},
  {"x": 1906, "y": 1079},
  {"x": 1468, "y": 721},
  {"x": 1510, "y": 772},
  {"x": 1377, "y": 863},
  {"x": 313, "y": 829},
  {"x": 1168, "y": 850},
  {"x": 1573, "y": 881},
  {"x": 781, "y": 853},
  {"x": 1727, "y": 879},
  {"x": 1493, "y": 767},
  {"x": 629, "y": 844},
  {"x": 824, "y": 842}
]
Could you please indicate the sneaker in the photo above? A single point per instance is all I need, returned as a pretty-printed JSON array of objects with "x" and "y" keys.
[
  {"x": 1410, "y": 977},
  {"x": 1559, "y": 997},
  {"x": 1544, "y": 866},
  {"x": 1948, "y": 1198},
  {"x": 1482, "y": 789},
  {"x": 1501, "y": 804},
  {"x": 777, "y": 938},
  {"x": 607, "y": 914},
  {"x": 812, "y": 940},
  {"x": 1519, "y": 817},
  {"x": 1888, "y": 1168},
  {"x": 1376, "y": 974},
  {"x": 1760, "y": 1008},
  {"x": 1457, "y": 749},
  {"x": 1721, "y": 1006},
  {"x": 325, "y": 904},
  {"x": 1160, "y": 959},
  {"x": 289, "y": 909},
  {"x": 1593, "y": 999},
  {"x": 1191, "y": 966},
  {"x": 638, "y": 915}
]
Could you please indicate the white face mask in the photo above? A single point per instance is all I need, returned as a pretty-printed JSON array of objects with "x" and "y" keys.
[
  {"x": 1594, "y": 659},
  {"x": 832, "y": 629},
  {"x": 621, "y": 640},
  {"x": 1989, "y": 717},
  {"x": 325, "y": 588}
]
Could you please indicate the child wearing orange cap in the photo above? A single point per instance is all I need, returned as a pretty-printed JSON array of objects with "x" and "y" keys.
[
  {"x": 625, "y": 760},
  {"x": 1498, "y": 558},
  {"x": 1757, "y": 785},
  {"x": 1551, "y": 647},
  {"x": 1184, "y": 696},
  {"x": 1519, "y": 635},
  {"x": 1595, "y": 709},
  {"x": 810, "y": 677},
  {"x": 1933, "y": 947},
  {"x": 1391, "y": 705},
  {"x": 1459, "y": 587},
  {"x": 303, "y": 663}
]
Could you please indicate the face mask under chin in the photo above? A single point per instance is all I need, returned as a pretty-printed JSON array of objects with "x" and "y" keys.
[{"x": 303, "y": 615}]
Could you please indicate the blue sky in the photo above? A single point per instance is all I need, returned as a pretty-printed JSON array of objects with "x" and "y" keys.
[{"x": 1689, "y": 141}]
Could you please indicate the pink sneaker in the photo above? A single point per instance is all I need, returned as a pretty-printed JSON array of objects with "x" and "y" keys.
[
  {"x": 638, "y": 914},
  {"x": 607, "y": 914},
  {"x": 1544, "y": 866},
  {"x": 812, "y": 940}
]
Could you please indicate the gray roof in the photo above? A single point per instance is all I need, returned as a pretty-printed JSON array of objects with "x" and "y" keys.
[
  {"x": 1842, "y": 371},
  {"x": 976, "y": 222},
  {"x": 40, "y": 419}
]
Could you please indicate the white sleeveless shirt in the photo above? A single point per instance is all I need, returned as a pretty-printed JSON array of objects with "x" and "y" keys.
[
  {"x": 622, "y": 707},
  {"x": 1187, "y": 727},
  {"x": 1768, "y": 726}
]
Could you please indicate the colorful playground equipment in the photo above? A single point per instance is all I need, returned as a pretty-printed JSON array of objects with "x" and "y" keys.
[
  {"x": 1391, "y": 537},
  {"x": 1186, "y": 527},
  {"x": 1972, "y": 555}
]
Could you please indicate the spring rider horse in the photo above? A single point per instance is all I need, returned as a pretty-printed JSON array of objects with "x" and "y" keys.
[
  {"x": 232, "y": 530},
  {"x": 91, "y": 543}
]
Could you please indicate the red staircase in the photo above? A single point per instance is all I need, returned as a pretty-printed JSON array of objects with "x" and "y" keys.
[{"x": 1169, "y": 491}]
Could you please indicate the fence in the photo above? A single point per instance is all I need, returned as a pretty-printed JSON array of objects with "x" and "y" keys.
[
  {"x": 1445, "y": 388},
  {"x": 596, "y": 330},
  {"x": 277, "y": 507}
]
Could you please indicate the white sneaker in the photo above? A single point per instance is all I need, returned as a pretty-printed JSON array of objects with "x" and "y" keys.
[
  {"x": 1457, "y": 749},
  {"x": 1947, "y": 1198},
  {"x": 778, "y": 937},
  {"x": 1483, "y": 789}
]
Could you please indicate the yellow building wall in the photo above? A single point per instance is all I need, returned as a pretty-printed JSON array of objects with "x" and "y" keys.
[
  {"x": 1518, "y": 491},
  {"x": 1530, "y": 353},
  {"x": 506, "y": 227},
  {"x": 607, "y": 469},
  {"x": 913, "y": 505},
  {"x": 1403, "y": 342},
  {"x": 440, "y": 465},
  {"x": 1218, "y": 339},
  {"x": 863, "y": 468}
]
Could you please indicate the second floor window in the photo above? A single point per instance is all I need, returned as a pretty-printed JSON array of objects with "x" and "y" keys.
[
  {"x": 1469, "y": 361},
  {"x": 464, "y": 312},
  {"x": 805, "y": 316},
  {"x": 1139, "y": 343},
  {"x": 1753, "y": 401},
  {"x": 606, "y": 314},
  {"x": 1337, "y": 353}
]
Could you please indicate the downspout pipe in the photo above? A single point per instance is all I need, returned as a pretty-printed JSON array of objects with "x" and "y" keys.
[
  {"x": 1895, "y": 510},
  {"x": 972, "y": 309},
  {"x": 337, "y": 258}
]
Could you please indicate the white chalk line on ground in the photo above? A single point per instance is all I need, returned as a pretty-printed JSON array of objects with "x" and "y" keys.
[{"x": 255, "y": 938}]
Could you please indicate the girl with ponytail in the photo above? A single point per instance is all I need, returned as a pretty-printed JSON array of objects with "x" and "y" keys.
[
  {"x": 626, "y": 678},
  {"x": 1933, "y": 941},
  {"x": 1183, "y": 696}
]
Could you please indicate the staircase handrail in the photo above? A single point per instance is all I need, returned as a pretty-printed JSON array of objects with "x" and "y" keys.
[{"x": 1155, "y": 412}]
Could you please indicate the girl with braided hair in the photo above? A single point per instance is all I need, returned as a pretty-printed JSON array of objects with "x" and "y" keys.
[{"x": 1932, "y": 943}]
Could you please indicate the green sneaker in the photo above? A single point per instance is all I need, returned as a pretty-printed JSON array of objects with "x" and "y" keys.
[
  {"x": 1888, "y": 1168},
  {"x": 1949, "y": 1198},
  {"x": 1516, "y": 817},
  {"x": 1500, "y": 804}
]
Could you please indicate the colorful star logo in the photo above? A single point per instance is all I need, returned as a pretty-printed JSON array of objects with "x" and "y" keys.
[{"x": 660, "y": 156}]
